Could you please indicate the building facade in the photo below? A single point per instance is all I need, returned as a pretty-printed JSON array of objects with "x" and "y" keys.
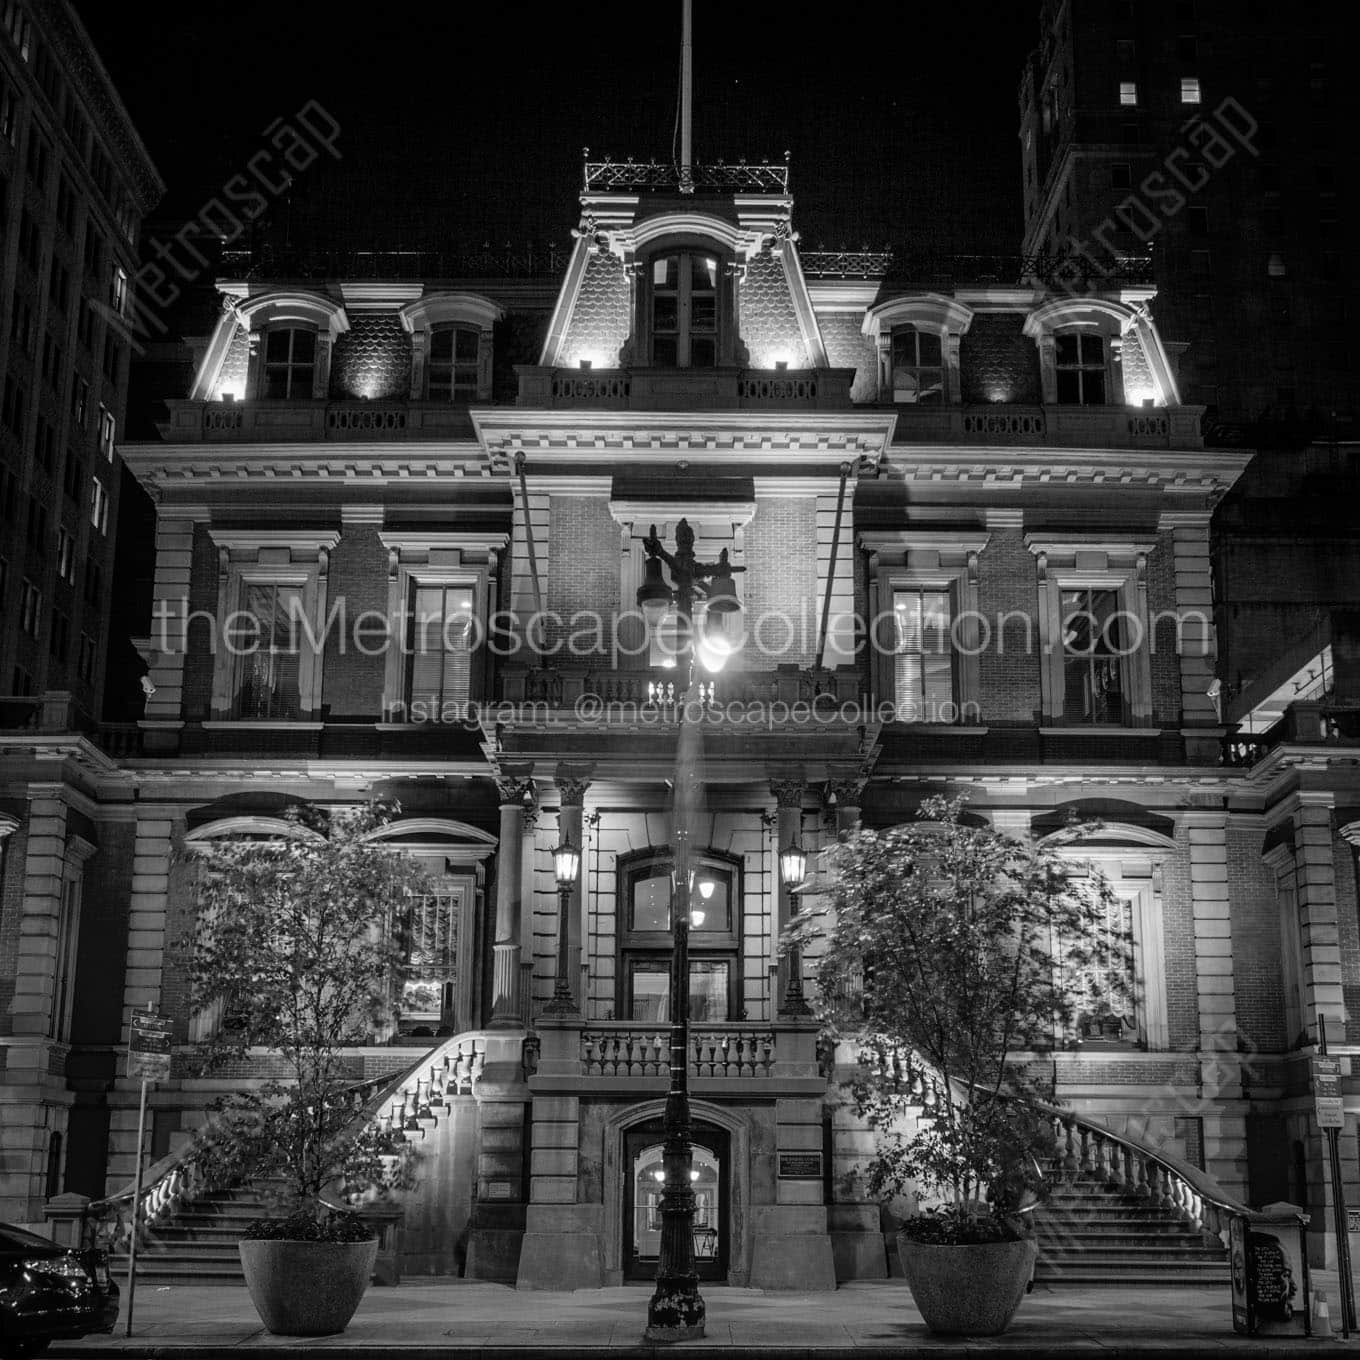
[
  {"x": 75, "y": 182},
  {"x": 400, "y": 543}
]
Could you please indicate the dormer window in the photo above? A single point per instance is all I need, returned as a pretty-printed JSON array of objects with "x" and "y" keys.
[
  {"x": 454, "y": 363},
  {"x": 684, "y": 310},
  {"x": 917, "y": 366},
  {"x": 1079, "y": 358},
  {"x": 289, "y": 368}
]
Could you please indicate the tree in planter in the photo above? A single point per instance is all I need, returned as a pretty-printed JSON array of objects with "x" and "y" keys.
[
  {"x": 299, "y": 940},
  {"x": 970, "y": 953}
]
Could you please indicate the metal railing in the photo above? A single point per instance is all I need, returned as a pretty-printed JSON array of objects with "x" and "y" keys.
[
  {"x": 626, "y": 1049},
  {"x": 605, "y": 175},
  {"x": 906, "y": 266}
]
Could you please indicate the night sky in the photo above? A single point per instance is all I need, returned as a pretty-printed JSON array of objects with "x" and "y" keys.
[{"x": 464, "y": 123}]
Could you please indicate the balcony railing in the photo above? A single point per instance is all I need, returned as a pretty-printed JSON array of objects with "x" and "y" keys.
[
  {"x": 271, "y": 422},
  {"x": 668, "y": 389},
  {"x": 526, "y": 260},
  {"x": 1065, "y": 272},
  {"x": 1159, "y": 427},
  {"x": 633, "y": 1050},
  {"x": 1305, "y": 723},
  {"x": 630, "y": 176}
]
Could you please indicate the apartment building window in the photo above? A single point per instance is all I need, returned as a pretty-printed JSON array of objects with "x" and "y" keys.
[
  {"x": 73, "y": 475},
  {"x": 85, "y": 660},
  {"x": 644, "y": 938},
  {"x": 85, "y": 324},
  {"x": 80, "y": 402},
  {"x": 9, "y": 114},
  {"x": 1121, "y": 175},
  {"x": 16, "y": 24},
  {"x": 454, "y": 363},
  {"x": 30, "y": 608},
  {"x": 52, "y": 364},
  {"x": 21, "y": 330},
  {"x": 917, "y": 366},
  {"x": 94, "y": 252},
  {"x": 66, "y": 555},
  {"x": 1187, "y": 49},
  {"x": 438, "y": 643},
  {"x": 289, "y": 363},
  {"x": 66, "y": 206},
  {"x": 1124, "y": 49},
  {"x": 59, "y": 284},
  {"x": 923, "y": 660},
  {"x": 1079, "y": 360},
  {"x": 38, "y": 158},
  {"x": 30, "y": 241},
  {"x": 94, "y": 581},
  {"x": 36, "y": 527},
  {"x": 1190, "y": 91},
  {"x": 683, "y": 297},
  {"x": 99, "y": 506},
  {"x": 45, "y": 446},
  {"x": 1197, "y": 220},
  {"x": 118, "y": 287},
  {"x": 77, "y": 129},
  {"x": 1200, "y": 263},
  {"x": 21, "y": 684},
  {"x": 12, "y": 407},
  {"x": 108, "y": 429},
  {"x": 1128, "y": 93},
  {"x": 264, "y": 639},
  {"x": 113, "y": 356}
]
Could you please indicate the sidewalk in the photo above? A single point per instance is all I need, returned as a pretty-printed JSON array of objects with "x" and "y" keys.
[{"x": 468, "y": 1319}]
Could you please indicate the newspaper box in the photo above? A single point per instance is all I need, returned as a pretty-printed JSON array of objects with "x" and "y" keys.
[{"x": 1269, "y": 1260}]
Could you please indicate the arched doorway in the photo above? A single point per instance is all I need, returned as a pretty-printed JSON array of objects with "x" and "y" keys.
[{"x": 711, "y": 1176}]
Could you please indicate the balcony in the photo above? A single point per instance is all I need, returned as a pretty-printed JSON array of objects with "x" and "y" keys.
[
  {"x": 1124, "y": 427},
  {"x": 274, "y": 422},
  {"x": 671, "y": 389},
  {"x": 1305, "y": 723}
]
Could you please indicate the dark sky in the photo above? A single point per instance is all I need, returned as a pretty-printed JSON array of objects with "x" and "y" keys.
[{"x": 464, "y": 122}]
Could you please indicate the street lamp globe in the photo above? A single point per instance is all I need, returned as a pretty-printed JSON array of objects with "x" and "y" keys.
[
  {"x": 566, "y": 863},
  {"x": 792, "y": 864}
]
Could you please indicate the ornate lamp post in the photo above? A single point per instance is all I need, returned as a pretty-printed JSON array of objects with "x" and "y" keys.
[
  {"x": 566, "y": 865},
  {"x": 676, "y": 1309},
  {"x": 792, "y": 873}
]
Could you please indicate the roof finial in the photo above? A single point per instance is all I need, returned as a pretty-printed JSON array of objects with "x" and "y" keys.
[{"x": 686, "y": 99}]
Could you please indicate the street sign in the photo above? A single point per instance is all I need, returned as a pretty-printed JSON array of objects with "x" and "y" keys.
[
  {"x": 149, "y": 1047},
  {"x": 1331, "y": 1114},
  {"x": 1327, "y": 1103}
]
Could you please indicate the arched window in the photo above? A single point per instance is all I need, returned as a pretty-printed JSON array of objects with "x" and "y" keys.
[
  {"x": 454, "y": 364},
  {"x": 684, "y": 321},
  {"x": 917, "y": 366},
  {"x": 1080, "y": 358}
]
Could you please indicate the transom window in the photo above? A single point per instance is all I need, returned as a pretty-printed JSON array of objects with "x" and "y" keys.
[
  {"x": 917, "y": 366},
  {"x": 427, "y": 997},
  {"x": 289, "y": 362},
  {"x": 453, "y": 363},
  {"x": 923, "y": 660},
  {"x": 684, "y": 331},
  {"x": 264, "y": 638},
  {"x": 1093, "y": 656},
  {"x": 1080, "y": 360},
  {"x": 439, "y": 650},
  {"x": 645, "y": 939}
]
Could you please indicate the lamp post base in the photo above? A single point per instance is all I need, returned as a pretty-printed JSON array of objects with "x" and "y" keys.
[{"x": 676, "y": 1311}]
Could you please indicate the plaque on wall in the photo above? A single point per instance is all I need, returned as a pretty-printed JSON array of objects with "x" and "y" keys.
[
  {"x": 498, "y": 1190},
  {"x": 802, "y": 1166}
]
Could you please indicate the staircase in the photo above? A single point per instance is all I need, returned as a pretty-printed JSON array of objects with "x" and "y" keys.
[
  {"x": 198, "y": 1244},
  {"x": 1094, "y": 1235}
]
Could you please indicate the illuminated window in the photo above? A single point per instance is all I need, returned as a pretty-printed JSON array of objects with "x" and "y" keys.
[
  {"x": 1190, "y": 93},
  {"x": 438, "y": 645},
  {"x": 289, "y": 362},
  {"x": 453, "y": 367},
  {"x": 1080, "y": 360},
  {"x": 99, "y": 506},
  {"x": 1128, "y": 92},
  {"x": 684, "y": 310},
  {"x": 264, "y": 637},
  {"x": 923, "y": 660},
  {"x": 917, "y": 366},
  {"x": 1093, "y": 656}
]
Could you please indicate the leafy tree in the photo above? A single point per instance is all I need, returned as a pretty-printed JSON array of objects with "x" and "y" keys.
[
  {"x": 299, "y": 942},
  {"x": 967, "y": 955}
]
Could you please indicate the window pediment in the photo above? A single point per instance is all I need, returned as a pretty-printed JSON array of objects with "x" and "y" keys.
[
  {"x": 927, "y": 311},
  {"x": 444, "y": 309},
  {"x": 295, "y": 309}
]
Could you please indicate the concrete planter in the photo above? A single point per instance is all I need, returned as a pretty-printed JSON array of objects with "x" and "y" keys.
[
  {"x": 307, "y": 1288},
  {"x": 968, "y": 1290}
]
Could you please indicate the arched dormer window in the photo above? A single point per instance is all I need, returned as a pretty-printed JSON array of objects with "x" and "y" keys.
[
  {"x": 451, "y": 346},
  {"x": 684, "y": 302},
  {"x": 290, "y": 339},
  {"x": 918, "y": 338}
]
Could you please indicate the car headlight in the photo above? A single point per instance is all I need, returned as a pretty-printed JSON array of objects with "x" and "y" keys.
[{"x": 63, "y": 1266}]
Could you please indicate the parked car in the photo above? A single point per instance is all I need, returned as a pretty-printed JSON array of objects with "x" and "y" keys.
[{"x": 49, "y": 1291}]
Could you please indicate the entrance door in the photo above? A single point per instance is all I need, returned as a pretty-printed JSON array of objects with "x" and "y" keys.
[{"x": 642, "y": 1200}]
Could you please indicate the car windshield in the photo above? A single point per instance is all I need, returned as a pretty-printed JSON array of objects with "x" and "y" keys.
[{"x": 14, "y": 1239}]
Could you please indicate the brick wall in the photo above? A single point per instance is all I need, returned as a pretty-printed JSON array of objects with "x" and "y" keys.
[
  {"x": 582, "y": 569},
  {"x": 1256, "y": 940},
  {"x": 198, "y": 661},
  {"x": 372, "y": 358},
  {"x": 1178, "y": 940},
  {"x": 1164, "y": 660},
  {"x": 352, "y": 683},
  {"x": 998, "y": 361},
  {"x": 1008, "y": 670},
  {"x": 782, "y": 582}
]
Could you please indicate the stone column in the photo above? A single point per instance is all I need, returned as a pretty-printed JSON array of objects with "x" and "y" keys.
[
  {"x": 572, "y": 782},
  {"x": 44, "y": 876},
  {"x": 788, "y": 795},
  {"x": 845, "y": 794},
  {"x": 505, "y": 1009}
]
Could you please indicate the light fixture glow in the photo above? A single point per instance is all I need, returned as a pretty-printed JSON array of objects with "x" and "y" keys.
[{"x": 234, "y": 390}]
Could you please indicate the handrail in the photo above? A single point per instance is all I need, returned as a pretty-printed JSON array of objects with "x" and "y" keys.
[{"x": 1117, "y": 1160}]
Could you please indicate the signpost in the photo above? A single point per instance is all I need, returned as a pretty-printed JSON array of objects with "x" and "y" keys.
[
  {"x": 149, "y": 1059},
  {"x": 1331, "y": 1119}
]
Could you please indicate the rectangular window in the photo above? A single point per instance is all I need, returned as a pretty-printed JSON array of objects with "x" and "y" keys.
[
  {"x": 9, "y": 116},
  {"x": 1124, "y": 49},
  {"x": 21, "y": 326},
  {"x": 85, "y": 663},
  {"x": 94, "y": 252},
  {"x": 1121, "y": 175},
  {"x": 1093, "y": 652},
  {"x": 289, "y": 360},
  {"x": 30, "y": 608},
  {"x": 108, "y": 428},
  {"x": 432, "y": 959},
  {"x": 22, "y": 683},
  {"x": 118, "y": 286},
  {"x": 917, "y": 366},
  {"x": 438, "y": 647},
  {"x": 80, "y": 402},
  {"x": 1080, "y": 360},
  {"x": 85, "y": 324},
  {"x": 99, "y": 506},
  {"x": 63, "y": 993},
  {"x": 39, "y": 155},
  {"x": 923, "y": 659},
  {"x": 45, "y": 446},
  {"x": 73, "y": 475},
  {"x": 113, "y": 356},
  {"x": 264, "y": 639},
  {"x": 59, "y": 284},
  {"x": 1197, "y": 220},
  {"x": 1128, "y": 93},
  {"x": 94, "y": 581},
  {"x": 684, "y": 304},
  {"x": 12, "y": 407},
  {"x": 1190, "y": 92},
  {"x": 66, "y": 206},
  {"x": 37, "y": 523},
  {"x": 60, "y": 638},
  {"x": 453, "y": 364},
  {"x": 66, "y": 555},
  {"x": 1200, "y": 263}
]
